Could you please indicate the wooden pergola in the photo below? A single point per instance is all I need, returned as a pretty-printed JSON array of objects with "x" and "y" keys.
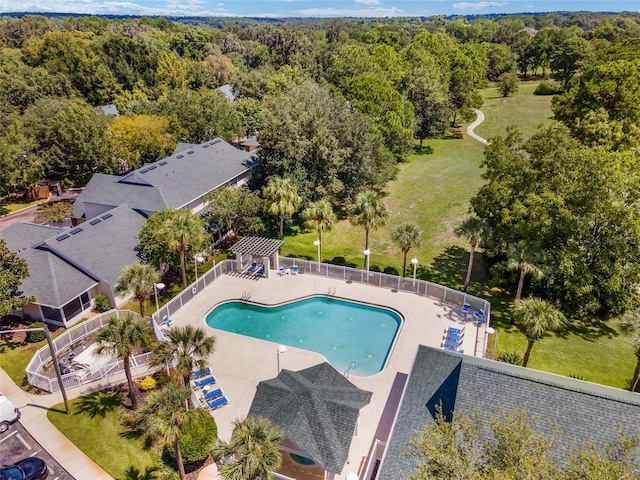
[{"x": 257, "y": 249}]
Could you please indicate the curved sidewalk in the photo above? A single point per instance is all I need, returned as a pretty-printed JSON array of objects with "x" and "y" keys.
[
  {"x": 33, "y": 416},
  {"x": 479, "y": 119}
]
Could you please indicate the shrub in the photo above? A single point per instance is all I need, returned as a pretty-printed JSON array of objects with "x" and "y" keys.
[
  {"x": 196, "y": 436},
  {"x": 374, "y": 268},
  {"x": 391, "y": 271},
  {"x": 511, "y": 357},
  {"x": 577, "y": 376},
  {"x": 36, "y": 336},
  {"x": 548, "y": 87},
  {"x": 101, "y": 303},
  {"x": 147, "y": 383}
]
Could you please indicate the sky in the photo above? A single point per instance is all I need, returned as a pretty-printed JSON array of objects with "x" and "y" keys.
[{"x": 311, "y": 8}]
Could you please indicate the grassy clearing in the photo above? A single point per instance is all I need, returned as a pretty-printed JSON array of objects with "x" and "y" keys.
[
  {"x": 524, "y": 109},
  {"x": 433, "y": 191},
  {"x": 14, "y": 358},
  {"x": 94, "y": 428},
  {"x": 13, "y": 204}
]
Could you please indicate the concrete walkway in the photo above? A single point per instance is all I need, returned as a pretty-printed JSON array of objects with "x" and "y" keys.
[
  {"x": 33, "y": 410},
  {"x": 479, "y": 119}
]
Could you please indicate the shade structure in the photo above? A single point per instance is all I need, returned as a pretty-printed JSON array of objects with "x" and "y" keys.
[{"x": 257, "y": 246}]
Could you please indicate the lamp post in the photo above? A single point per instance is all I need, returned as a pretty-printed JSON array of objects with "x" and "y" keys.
[
  {"x": 491, "y": 331},
  {"x": 196, "y": 260},
  {"x": 367, "y": 252},
  {"x": 414, "y": 262},
  {"x": 156, "y": 287},
  {"x": 317, "y": 244},
  {"x": 280, "y": 349},
  {"x": 54, "y": 357}
]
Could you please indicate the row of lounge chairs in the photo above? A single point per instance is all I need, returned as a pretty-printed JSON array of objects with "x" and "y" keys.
[
  {"x": 453, "y": 339},
  {"x": 203, "y": 379},
  {"x": 294, "y": 270}
]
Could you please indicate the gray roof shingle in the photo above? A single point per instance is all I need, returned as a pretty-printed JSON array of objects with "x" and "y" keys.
[
  {"x": 581, "y": 411},
  {"x": 172, "y": 182},
  {"x": 317, "y": 408},
  {"x": 21, "y": 235},
  {"x": 102, "y": 247},
  {"x": 52, "y": 280}
]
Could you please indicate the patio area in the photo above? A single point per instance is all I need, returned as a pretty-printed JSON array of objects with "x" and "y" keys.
[{"x": 241, "y": 362}]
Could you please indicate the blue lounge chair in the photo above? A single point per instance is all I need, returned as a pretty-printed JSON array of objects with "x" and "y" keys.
[
  {"x": 455, "y": 330},
  {"x": 167, "y": 321},
  {"x": 454, "y": 336},
  {"x": 466, "y": 308},
  {"x": 281, "y": 271},
  {"x": 479, "y": 316},
  {"x": 261, "y": 271},
  {"x": 452, "y": 343},
  {"x": 205, "y": 381},
  {"x": 217, "y": 403},
  {"x": 214, "y": 394},
  {"x": 200, "y": 373},
  {"x": 252, "y": 267},
  {"x": 294, "y": 269}
]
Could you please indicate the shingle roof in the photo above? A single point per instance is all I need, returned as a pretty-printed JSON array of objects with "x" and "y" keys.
[
  {"x": 228, "y": 92},
  {"x": 260, "y": 246},
  {"x": 107, "y": 190},
  {"x": 172, "y": 182},
  {"x": 181, "y": 147},
  {"x": 102, "y": 246},
  {"x": 317, "y": 408},
  {"x": 20, "y": 236},
  {"x": 188, "y": 175},
  {"x": 52, "y": 280},
  {"x": 581, "y": 411}
]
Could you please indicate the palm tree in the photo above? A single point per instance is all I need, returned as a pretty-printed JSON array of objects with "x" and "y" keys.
[
  {"x": 631, "y": 323},
  {"x": 369, "y": 211},
  {"x": 319, "y": 216},
  {"x": 187, "y": 347},
  {"x": 407, "y": 235},
  {"x": 522, "y": 257},
  {"x": 282, "y": 197},
  {"x": 163, "y": 416},
  {"x": 473, "y": 229},
  {"x": 253, "y": 451},
  {"x": 537, "y": 317},
  {"x": 138, "y": 279},
  {"x": 123, "y": 335},
  {"x": 184, "y": 232}
]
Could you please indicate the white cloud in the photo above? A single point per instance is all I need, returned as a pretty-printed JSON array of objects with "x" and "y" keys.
[
  {"x": 355, "y": 12},
  {"x": 368, "y": 2},
  {"x": 97, "y": 7},
  {"x": 477, "y": 5}
]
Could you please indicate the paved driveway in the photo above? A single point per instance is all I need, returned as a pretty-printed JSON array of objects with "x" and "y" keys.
[{"x": 16, "y": 444}]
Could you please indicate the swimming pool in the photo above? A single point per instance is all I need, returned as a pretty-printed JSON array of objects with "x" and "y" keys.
[{"x": 342, "y": 331}]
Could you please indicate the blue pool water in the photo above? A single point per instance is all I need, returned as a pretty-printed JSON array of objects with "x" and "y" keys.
[{"x": 342, "y": 331}]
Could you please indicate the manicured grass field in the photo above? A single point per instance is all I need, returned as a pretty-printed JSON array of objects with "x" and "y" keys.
[
  {"x": 10, "y": 204},
  {"x": 433, "y": 191},
  {"x": 94, "y": 428}
]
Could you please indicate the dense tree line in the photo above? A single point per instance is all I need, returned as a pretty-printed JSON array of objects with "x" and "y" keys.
[{"x": 404, "y": 78}]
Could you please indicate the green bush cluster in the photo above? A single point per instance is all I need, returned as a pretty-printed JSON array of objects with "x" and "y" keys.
[
  {"x": 101, "y": 303},
  {"x": 37, "y": 335},
  {"x": 147, "y": 383},
  {"x": 548, "y": 87},
  {"x": 511, "y": 357},
  {"x": 196, "y": 437}
]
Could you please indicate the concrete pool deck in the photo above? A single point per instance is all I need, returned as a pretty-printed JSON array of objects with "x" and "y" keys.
[{"x": 240, "y": 363}]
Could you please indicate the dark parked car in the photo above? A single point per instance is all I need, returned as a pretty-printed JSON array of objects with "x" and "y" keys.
[{"x": 27, "y": 469}]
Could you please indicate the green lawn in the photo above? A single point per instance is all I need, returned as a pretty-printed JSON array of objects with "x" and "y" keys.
[
  {"x": 433, "y": 191},
  {"x": 93, "y": 427},
  {"x": 14, "y": 358},
  {"x": 523, "y": 109},
  {"x": 13, "y": 204}
]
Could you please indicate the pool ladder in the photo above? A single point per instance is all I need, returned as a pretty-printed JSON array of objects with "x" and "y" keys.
[
  {"x": 352, "y": 366},
  {"x": 245, "y": 296},
  {"x": 331, "y": 292}
]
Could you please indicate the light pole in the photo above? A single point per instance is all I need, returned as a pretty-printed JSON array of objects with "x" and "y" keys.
[
  {"x": 280, "y": 349},
  {"x": 367, "y": 252},
  {"x": 414, "y": 262},
  {"x": 54, "y": 357},
  {"x": 317, "y": 244},
  {"x": 491, "y": 331},
  {"x": 156, "y": 287},
  {"x": 196, "y": 260}
]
